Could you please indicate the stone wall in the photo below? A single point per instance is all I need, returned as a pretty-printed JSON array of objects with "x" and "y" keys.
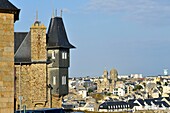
[
  {"x": 6, "y": 63},
  {"x": 38, "y": 42},
  {"x": 31, "y": 84}
]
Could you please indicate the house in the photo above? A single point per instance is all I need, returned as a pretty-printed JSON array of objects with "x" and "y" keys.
[
  {"x": 89, "y": 107},
  {"x": 119, "y": 89},
  {"x": 138, "y": 104},
  {"x": 42, "y": 62},
  {"x": 150, "y": 104},
  {"x": 114, "y": 106}
]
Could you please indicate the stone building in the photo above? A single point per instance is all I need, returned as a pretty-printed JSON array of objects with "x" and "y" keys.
[
  {"x": 107, "y": 84},
  {"x": 41, "y": 65},
  {"x": 8, "y": 15}
]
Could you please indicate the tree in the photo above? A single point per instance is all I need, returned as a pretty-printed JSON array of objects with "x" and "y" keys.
[
  {"x": 158, "y": 83},
  {"x": 98, "y": 96},
  {"x": 166, "y": 84},
  {"x": 138, "y": 87},
  {"x": 90, "y": 90}
]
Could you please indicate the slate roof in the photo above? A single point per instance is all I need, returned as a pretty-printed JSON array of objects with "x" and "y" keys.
[
  {"x": 8, "y": 7},
  {"x": 132, "y": 102},
  {"x": 22, "y": 47},
  {"x": 56, "y": 38},
  {"x": 19, "y": 37},
  {"x": 119, "y": 104},
  {"x": 162, "y": 104},
  {"x": 56, "y": 35},
  {"x": 149, "y": 101}
]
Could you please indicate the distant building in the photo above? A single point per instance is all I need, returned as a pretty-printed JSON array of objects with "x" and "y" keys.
[
  {"x": 117, "y": 106},
  {"x": 123, "y": 76},
  {"x": 119, "y": 89},
  {"x": 107, "y": 84},
  {"x": 136, "y": 76},
  {"x": 41, "y": 65},
  {"x": 136, "y": 104}
]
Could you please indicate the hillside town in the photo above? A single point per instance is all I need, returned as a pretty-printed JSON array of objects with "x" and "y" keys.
[
  {"x": 114, "y": 92},
  {"x": 34, "y": 74}
]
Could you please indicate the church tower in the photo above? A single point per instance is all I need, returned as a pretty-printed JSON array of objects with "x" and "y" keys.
[
  {"x": 8, "y": 15},
  {"x": 58, "y": 48}
]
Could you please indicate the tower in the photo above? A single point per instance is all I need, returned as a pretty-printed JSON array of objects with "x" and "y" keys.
[
  {"x": 38, "y": 42},
  {"x": 58, "y": 48},
  {"x": 8, "y": 15},
  {"x": 113, "y": 74},
  {"x": 113, "y": 77},
  {"x": 105, "y": 75}
]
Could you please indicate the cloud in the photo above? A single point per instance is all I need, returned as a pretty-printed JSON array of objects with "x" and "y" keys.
[{"x": 155, "y": 11}]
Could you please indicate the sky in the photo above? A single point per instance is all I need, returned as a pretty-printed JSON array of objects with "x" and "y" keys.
[{"x": 132, "y": 36}]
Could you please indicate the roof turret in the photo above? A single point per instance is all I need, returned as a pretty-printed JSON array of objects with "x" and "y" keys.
[{"x": 56, "y": 35}]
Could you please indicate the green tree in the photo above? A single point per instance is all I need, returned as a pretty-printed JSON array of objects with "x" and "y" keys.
[
  {"x": 166, "y": 84},
  {"x": 158, "y": 83},
  {"x": 90, "y": 90},
  {"x": 138, "y": 87}
]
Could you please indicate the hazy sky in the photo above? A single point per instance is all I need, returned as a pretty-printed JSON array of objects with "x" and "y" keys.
[{"x": 132, "y": 36}]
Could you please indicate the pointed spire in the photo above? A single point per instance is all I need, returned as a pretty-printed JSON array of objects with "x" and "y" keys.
[
  {"x": 56, "y": 12},
  {"x": 53, "y": 14},
  {"x": 36, "y": 21},
  {"x": 36, "y": 15},
  {"x": 61, "y": 13}
]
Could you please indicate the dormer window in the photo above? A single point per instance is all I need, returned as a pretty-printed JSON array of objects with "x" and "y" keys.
[{"x": 64, "y": 55}]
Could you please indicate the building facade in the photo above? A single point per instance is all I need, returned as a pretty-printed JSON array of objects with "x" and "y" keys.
[
  {"x": 107, "y": 84},
  {"x": 41, "y": 65},
  {"x": 8, "y": 15}
]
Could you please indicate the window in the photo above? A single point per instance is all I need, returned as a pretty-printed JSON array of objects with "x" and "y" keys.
[
  {"x": 63, "y": 80},
  {"x": 54, "y": 80},
  {"x": 64, "y": 55},
  {"x": 53, "y": 54}
]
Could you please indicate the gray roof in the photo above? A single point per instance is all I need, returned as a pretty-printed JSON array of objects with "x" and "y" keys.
[
  {"x": 8, "y": 7},
  {"x": 56, "y": 36},
  {"x": 22, "y": 47},
  {"x": 19, "y": 37},
  {"x": 119, "y": 104}
]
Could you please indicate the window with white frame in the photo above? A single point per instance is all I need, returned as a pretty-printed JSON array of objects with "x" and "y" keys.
[
  {"x": 63, "y": 80},
  {"x": 54, "y": 80},
  {"x": 64, "y": 55},
  {"x": 53, "y": 54}
]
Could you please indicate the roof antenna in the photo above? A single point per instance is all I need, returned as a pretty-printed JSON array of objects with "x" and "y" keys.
[{"x": 61, "y": 13}]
